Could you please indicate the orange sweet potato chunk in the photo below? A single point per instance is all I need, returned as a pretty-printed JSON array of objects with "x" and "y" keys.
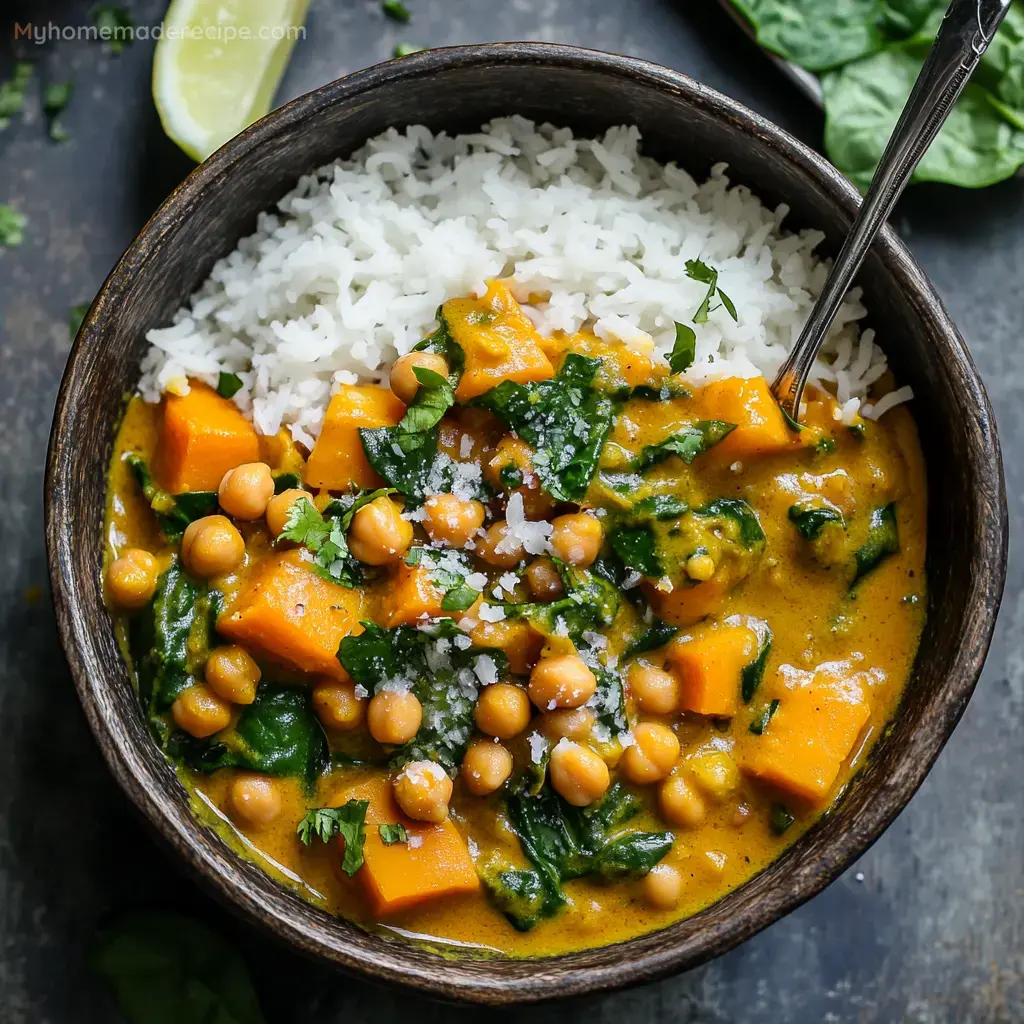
[
  {"x": 685, "y": 604},
  {"x": 760, "y": 426},
  {"x": 819, "y": 718},
  {"x": 338, "y": 462},
  {"x": 709, "y": 669},
  {"x": 412, "y": 596},
  {"x": 291, "y": 615},
  {"x": 435, "y": 863},
  {"x": 499, "y": 342},
  {"x": 202, "y": 437}
]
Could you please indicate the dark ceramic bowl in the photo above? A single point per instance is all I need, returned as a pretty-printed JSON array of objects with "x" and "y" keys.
[{"x": 458, "y": 89}]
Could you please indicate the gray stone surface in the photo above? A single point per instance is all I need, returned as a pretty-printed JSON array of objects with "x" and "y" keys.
[{"x": 927, "y": 927}]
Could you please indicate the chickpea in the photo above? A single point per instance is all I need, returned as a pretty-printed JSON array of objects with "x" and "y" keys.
[
  {"x": 254, "y": 800},
  {"x": 651, "y": 755},
  {"x": 700, "y": 567},
  {"x": 200, "y": 712},
  {"x": 394, "y": 717},
  {"x": 680, "y": 803},
  {"x": 576, "y": 538},
  {"x": 403, "y": 372},
  {"x": 654, "y": 690},
  {"x": 132, "y": 579},
  {"x": 245, "y": 491},
  {"x": 378, "y": 534},
  {"x": 211, "y": 546},
  {"x": 561, "y": 682},
  {"x": 577, "y": 773},
  {"x": 280, "y": 505},
  {"x": 451, "y": 521},
  {"x": 337, "y": 705},
  {"x": 544, "y": 580},
  {"x": 572, "y": 723},
  {"x": 502, "y": 710},
  {"x": 663, "y": 886},
  {"x": 423, "y": 790},
  {"x": 497, "y": 547},
  {"x": 232, "y": 674},
  {"x": 485, "y": 767}
]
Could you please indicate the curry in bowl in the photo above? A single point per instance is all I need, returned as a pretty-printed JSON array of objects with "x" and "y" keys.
[{"x": 543, "y": 642}]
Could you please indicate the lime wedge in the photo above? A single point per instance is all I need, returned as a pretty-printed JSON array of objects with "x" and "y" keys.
[{"x": 218, "y": 65}]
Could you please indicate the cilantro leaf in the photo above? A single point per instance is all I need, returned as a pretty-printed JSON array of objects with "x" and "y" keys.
[
  {"x": 306, "y": 526},
  {"x": 433, "y": 399},
  {"x": 396, "y": 10},
  {"x": 348, "y": 821},
  {"x": 115, "y": 26},
  {"x": 699, "y": 271},
  {"x": 694, "y": 440},
  {"x": 391, "y": 834},
  {"x": 12, "y": 226},
  {"x": 684, "y": 351},
  {"x": 448, "y": 572},
  {"x": 12, "y": 93},
  {"x": 564, "y": 419},
  {"x": 404, "y": 49},
  {"x": 56, "y": 97},
  {"x": 228, "y": 384}
]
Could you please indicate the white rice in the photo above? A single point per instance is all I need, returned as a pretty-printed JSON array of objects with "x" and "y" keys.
[{"x": 347, "y": 272}]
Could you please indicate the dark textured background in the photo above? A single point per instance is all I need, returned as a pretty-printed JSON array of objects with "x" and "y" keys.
[{"x": 928, "y": 927}]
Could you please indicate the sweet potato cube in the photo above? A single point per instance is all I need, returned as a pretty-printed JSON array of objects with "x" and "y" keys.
[
  {"x": 760, "y": 426},
  {"x": 498, "y": 340},
  {"x": 412, "y": 596},
  {"x": 291, "y": 615},
  {"x": 709, "y": 669},
  {"x": 337, "y": 461},
  {"x": 202, "y": 437},
  {"x": 686, "y": 604},
  {"x": 435, "y": 863},
  {"x": 819, "y": 718}
]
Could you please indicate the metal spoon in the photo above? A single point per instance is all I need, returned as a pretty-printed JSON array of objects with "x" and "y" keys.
[{"x": 964, "y": 35}]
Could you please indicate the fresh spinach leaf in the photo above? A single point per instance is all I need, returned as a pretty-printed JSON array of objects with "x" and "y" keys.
[
  {"x": 882, "y": 540},
  {"x": 173, "y": 512},
  {"x": 752, "y": 674},
  {"x": 165, "y": 968},
  {"x": 228, "y": 384},
  {"x": 684, "y": 350},
  {"x": 12, "y": 93},
  {"x": 347, "y": 821},
  {"x": 811, "y": 520},
  {"x": 636, "y": 547},
  {"x": 391, "y": 834},
  {"x": 12, "y": 226},
  {"x": 759, "y": 724},
  {"x": 688, "y": 443},
  {"x": 737, "y": 511},
  {"x": 564, "y": 419},
  {"x": 278, "y": 734},
  {"x": 669, "y": 389}
]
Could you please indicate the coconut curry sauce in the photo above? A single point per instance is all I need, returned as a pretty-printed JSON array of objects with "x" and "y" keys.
[{"x": 537, "y": 649}]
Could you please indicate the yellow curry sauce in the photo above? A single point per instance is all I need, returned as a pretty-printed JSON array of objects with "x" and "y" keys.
[{"x": 739, "y": 531}]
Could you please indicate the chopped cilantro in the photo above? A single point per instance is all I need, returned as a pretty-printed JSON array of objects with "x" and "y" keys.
[
  {"x": 348, "y": 821},
  {"x": 396, "y": 10},
  {"x": 404, "y": 49},
  {"x": 684, "y": 351},
  {"x": 699, "y": 271},
  {"x": 12, "y": 93},
  {"x": 56, "y": 97},
  {"x": 228, "y": 384},
  {"x": 433, "y": 399},
  {"x": 115, "y": 26},
  {"x": 448, "y": 571},
  {"x": 391, "y": 834},
  {"x": 12, "y": 226}
]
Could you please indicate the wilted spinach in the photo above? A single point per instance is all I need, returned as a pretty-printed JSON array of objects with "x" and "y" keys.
[
  {"x": 173, "y": 512},
  {"x": 810, "y": 520},
  {"x": 882, "y": 540},
  {"x": 688, "y": 443}
]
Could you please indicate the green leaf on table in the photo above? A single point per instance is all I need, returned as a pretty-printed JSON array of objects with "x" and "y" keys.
[
  {"x": 165, "y": 968},
  {"x": 12, "y": 93},
  {"x": 688, "y": 443},
  {"x": 114, "y": 25},
  {"x": 404, "y": 49},
  {"x": 173, "y": 512},
  {"x": 347, "y": 821},
  {"x": 565, "y": 419},
  {"x": 396, "y": 10},
  {"x": 684, "y": 350},
  {"x": 12, "y": 226},
  {"x": 882, "y": 541},
  {"x": 56, "y": 97}
]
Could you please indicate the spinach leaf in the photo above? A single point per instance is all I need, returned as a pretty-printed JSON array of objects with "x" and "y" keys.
[
  {"x": 814, "y": 35},
  {"x": 636, "y": 547},
  {"x": 391, "y": 834},
  {"x": 287, "y": 482},
  {"x": 609, "y": 703},
  {"x": 811, "y": 520},
  {"x": 564, "y": 419},
  {"x": 590, "y": 602},
  {"x": 433, "y": 399},
  {"x": 759, "y": 724},
  {"x": 654, "y": 636},
  {"x": 976, "y": 146},
  {"x": 165, "y": 968},
  {"x": 660, "y": 507},
  {"x": 169, "y": 640},
  {"x": 228, "y": 384},
  {"x": 348, "y": 821},
  {"x": 752, "y": 674},
  {"x": 448, "y": 571},
  {"x": 439, "y": 671},
  {"x": 883, "y": 540},
  {"x": 687, "y": 444},
  {"x": 684, "y": 350},
  {"x": 565, "y": 842},
  {"x": 669, "y": 389},
  {"x": 173, "y": 512},
  {"x": 278, "y": 734},
  {"x": 12, "y": 226},
  {"x": 737, "y": 511},
  {"x": 410, "y": 463},
  {"x": 441, "y": 341},
  {"x": 781, "y": 818},
  {"x": 523, "y": 896}
]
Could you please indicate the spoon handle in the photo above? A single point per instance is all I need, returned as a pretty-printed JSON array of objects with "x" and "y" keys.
[{"x": 964, "y": 35}]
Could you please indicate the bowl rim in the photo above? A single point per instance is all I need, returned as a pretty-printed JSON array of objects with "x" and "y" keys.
[{"x": 556, "y": 976}]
